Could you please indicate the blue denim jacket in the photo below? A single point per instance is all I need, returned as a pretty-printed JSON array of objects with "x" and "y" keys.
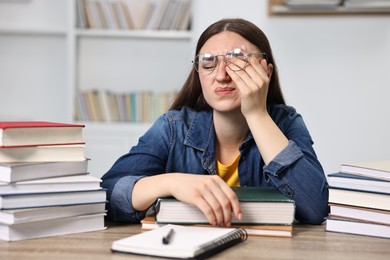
[{"x": 184, "y": 141}]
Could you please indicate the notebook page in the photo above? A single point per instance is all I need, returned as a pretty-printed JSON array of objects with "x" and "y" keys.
[{"x": 184, "y": 243}]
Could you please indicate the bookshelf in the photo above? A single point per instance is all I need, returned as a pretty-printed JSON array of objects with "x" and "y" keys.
[
  {"x": 278, "y": 8},
  {"x": 55, "y": 59}
]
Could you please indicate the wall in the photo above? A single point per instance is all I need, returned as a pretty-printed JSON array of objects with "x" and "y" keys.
[{"x": 334, "y": 69}]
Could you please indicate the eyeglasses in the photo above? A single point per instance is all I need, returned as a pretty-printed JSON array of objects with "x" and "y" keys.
[{"x": 206, "y": 63}]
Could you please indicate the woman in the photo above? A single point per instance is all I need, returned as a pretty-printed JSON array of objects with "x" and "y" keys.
[{"x": 228, "y": 126}]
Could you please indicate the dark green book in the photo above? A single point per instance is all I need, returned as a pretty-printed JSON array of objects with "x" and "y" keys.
[{"x": 259, "y": 205}]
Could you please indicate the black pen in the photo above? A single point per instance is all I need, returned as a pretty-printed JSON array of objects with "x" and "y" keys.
[{"x": 167, "y": 238}]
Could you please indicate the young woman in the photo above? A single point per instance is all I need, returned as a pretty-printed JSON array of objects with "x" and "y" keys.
[{"x": 228, "y": 126}]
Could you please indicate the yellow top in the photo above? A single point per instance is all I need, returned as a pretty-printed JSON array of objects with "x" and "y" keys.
[{"x": 229, "y": 173}]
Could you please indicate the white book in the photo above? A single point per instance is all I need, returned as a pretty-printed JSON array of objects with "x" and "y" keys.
[
  {"x": 53, "y": 227},
  {"x": 59, "y": 184},
  {"x": 20, "y": 201},
  {"x": 373, "y": 169},
  {"x": 355, "y": 227},
  {"x": 47, "y": 153},
  {"x": 186, "y": 19},
  {"x": 357, "y": 182},
  {"x": 357, "y": 198},
  {"x": 16, "y": 216},
  {"x": 158, "y": 14},
  {"x": 108, "y": 13},
  {"x": 360, "y": 213},
  {"x": 313, "y": 2},
  {"x": 14, "y": 172}
]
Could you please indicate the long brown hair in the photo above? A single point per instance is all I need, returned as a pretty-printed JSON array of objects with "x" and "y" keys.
[{"x": 191, "y": 93}]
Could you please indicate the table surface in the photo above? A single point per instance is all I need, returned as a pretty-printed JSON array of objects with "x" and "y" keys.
[{"x": 309, "y": 242}]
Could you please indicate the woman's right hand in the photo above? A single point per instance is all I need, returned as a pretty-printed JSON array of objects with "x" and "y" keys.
[{"x": 209, "y": 193}]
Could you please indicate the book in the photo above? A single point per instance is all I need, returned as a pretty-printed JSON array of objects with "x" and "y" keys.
[
  {"x": 360, "y": 213},
  {"x": 357, "y": 198},
  {"x": 34, "y": 133},
  {"x": 187, "y": 241},
  {"x": 357, "y": 182},
  {"x": 149, "y": 223},
  {"x": 20, "y": 201},
  {"x": 52, "y": 227},
  {"x": 367, "y": 3},
  {"x": 356, "y": 227},
  {"x": 14, "y": 172},
  {"x": 313, "y": 3},
  {"x": 259, "y": 205},
  {"x": 59, "y": 184},
  {"x": 15, "y": 216},
  {"x": 373, "y": 169},
  {"x": 46, "y": 153}
]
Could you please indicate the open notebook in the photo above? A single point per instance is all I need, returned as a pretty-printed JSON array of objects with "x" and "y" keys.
[{"x": 185, "y": 242}]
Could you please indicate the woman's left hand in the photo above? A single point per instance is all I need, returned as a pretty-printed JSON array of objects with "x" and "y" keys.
[{"x": 252, "y": 83}]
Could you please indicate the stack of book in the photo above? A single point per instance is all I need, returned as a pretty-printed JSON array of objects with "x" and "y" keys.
[
  {"x": 135, "y": 107},
  {"x": 118, "y": 14},
  {"x": 359, "y": 199},
  {"x": 266, "y": 212},
  {"x": 45, "y": 188}
]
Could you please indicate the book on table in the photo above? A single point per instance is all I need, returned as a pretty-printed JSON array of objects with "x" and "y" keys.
[
  {"x": 357, "y": 227},
  {"x": 259, "y": 205},
  {"x": 149, "y": 223},
  {"x": 374, "y": 169},
  {"x": 360, "y": 213},
  {"x": 357, "y": 182},
  {"x": 45, "y": 153},
  {"x": 52, "y": 227},
  {"x": 374, "y": 200},
  {"x": 35, "y": 133},
  {"x": 186, "y": 241},
  {"x": 16, "y": 216},
  {"x": 14, "y": 172},
  {"x": 31, "y": 200},
  {"x": 58, "y": 184}
]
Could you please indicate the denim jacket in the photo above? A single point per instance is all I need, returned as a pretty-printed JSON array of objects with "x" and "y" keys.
[{"x": 184, "y": 141}]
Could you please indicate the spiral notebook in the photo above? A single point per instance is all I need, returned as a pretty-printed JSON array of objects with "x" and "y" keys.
[{"x": 184, "y": 242}]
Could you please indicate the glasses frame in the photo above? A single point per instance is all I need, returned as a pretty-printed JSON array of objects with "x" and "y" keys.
[{"x": 229, "y": 53}]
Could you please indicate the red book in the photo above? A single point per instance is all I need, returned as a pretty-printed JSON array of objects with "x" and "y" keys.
[{"x": 38, "y": 133}]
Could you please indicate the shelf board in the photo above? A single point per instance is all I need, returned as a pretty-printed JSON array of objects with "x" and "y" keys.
[
  {"x": 168, "y": 34},
  {"x": 339, "y": 10},
  {"x": 277, "y": 7},
  {"x": 33, "y": 31}
]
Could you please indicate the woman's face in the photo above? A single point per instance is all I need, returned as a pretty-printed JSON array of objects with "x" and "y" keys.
[{"x": 219, "y": 91}]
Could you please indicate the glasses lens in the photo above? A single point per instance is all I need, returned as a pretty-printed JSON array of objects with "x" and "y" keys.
[
  {"x": 205, "y": 63},
  {"x": 240, "y": 62}
]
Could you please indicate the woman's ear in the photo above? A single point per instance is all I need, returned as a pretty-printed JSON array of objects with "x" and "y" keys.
[{"x": 270, "y": 70}]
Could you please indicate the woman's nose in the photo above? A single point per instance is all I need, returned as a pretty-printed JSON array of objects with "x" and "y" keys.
[{"x": 221, "y": 74}]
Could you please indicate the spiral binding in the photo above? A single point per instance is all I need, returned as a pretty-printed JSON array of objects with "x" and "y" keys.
[{"x": 212, "y": 247}]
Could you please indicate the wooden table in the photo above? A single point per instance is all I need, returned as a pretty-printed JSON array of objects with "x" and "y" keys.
[{"x": 309, "y": 242}]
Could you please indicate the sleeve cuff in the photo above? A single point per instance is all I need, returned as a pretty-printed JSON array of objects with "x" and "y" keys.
[
  {"x": 120, "y": 201},
  {"x": 284, "y": 159}
]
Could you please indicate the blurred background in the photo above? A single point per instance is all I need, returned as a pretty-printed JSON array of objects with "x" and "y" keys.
[{"x": 55, "y": 63}]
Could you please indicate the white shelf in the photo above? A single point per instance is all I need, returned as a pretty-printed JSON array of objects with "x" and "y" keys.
[
  {"x": 339, "y": 10},
  {"x": 33, "y": 31},
  {"x": 46, "y": 61},
  {"x": 278, "y": 7},
  {"x": 147, "y": 34}
]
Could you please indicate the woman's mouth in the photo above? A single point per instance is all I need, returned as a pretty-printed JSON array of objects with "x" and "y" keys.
[{"x": 224, "y": 91}]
